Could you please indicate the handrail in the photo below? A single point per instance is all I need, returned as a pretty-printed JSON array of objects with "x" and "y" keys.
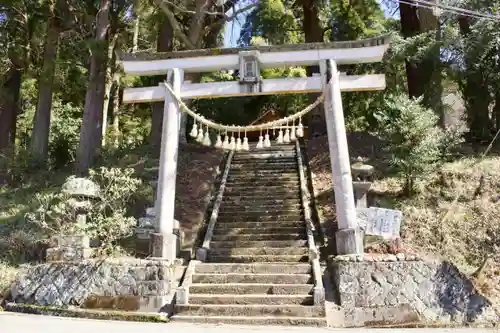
[
  {"x": 319, "y": 290},
  {"x": 201, "y": 253}
]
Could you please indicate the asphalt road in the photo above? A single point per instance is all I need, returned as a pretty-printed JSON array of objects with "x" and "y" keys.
[{"x": 21, "y": 323}]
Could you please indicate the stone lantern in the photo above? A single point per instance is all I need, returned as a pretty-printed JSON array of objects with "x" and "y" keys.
[
  {"x": 75, "y": 245},
  {"x": 362, "y": 176}
]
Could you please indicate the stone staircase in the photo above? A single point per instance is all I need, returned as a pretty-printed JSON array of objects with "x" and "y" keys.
[{"x": 256, "y": 265}]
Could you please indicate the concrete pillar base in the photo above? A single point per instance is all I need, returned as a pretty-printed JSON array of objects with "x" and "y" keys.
[
  {"x": 319, "y": 295},
  {"x": 201, "y": 254},
  {"x": 349, "y": 241},
  {"x": 164, "y": 246}
]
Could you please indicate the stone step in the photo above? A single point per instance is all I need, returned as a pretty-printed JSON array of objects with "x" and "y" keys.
[
  {"x": 267, "y": 251},
  {"x": 251, "y": 288},
  {"x": 263, "y": 196},
  {"x": 262, "y": 191},
  {"x": 265, "y": 225},
  {"x": 253, "y": 278},
  {"x": 262, "y": 179},
  {"x": 260, "y": 202},
  {"x": 285, "y": 243},
  {"x": 278, "y": 156},
  {"x": 263, "y": 183},
  {"x": 258, "y": 217},
  {"x": 242, "y": 258},
  {"x": 272, "y": 167},
  {"x": 262, "y": 173},
  {"x": 243, "y": 320},
  {"x": 251, "y": 299},
  {"x": 272, "y": 268},
  {"x": 250, "y": 209},
  {"x": 260, "y": 237},
  {"x": 259, "y": 231},
  {"x": 251, "y": 310}
]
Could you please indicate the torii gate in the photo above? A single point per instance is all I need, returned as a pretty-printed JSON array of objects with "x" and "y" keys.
[{"x": 249, "y": 61}]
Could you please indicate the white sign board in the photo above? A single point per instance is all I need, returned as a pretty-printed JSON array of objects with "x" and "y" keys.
[{"x": 381, "y": 222}]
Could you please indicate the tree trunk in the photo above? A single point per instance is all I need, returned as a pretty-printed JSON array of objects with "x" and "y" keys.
[
  {"x": 475, "y": 93},
  {"x": 410, "y": 27},
  {"x": 164, "y": 44},
  {"x": 39, "y": 145},
  {"x": 135, "y": 37},
  {"x": 116, "y": 114},
  {"x": 110, "y": 69},
  {"x": 313, "y": 33},
  {"x": 90, "y": 133},
  {"x": 9, "y": 107}
]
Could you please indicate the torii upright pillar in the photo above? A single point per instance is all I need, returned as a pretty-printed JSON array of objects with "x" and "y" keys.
[
  {"x": 349, "y": 237},
  {"x": 164, "y": 241}
]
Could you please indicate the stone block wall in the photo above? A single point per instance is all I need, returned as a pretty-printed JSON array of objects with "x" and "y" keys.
[
  {"x": 127, "y": 284},
  {"x": 399, "y": 291}
]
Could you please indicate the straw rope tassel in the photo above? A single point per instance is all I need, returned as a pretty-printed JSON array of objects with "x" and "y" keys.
[
  {"x": 292, "y": 133},
  {"x": 279, "y": 140},
  {"x": 226, "y": 145},
  {"x": 206, "y": 139},
  {"x": 300, "y": 129},
  {"x": 267, "y": 142},
  {"x": 232, "y": 142},
  {"x": 238, "y": 141},
  {"x": 194, "y": 130},
  {"x": 200, "y": 136},
  {"x": 260, "y": 144},
  {"x": 245, "y": 146},
  {"x": 218, "y": 142},
  {"x": 286, "y": 137}
]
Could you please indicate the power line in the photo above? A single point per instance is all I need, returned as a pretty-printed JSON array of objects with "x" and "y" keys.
[{"x": 447, "y": 9}]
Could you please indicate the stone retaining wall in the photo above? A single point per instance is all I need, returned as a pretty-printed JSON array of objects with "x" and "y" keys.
[
  {"x": 395, "y": 291},
  {"x": 128, "y": 284}
]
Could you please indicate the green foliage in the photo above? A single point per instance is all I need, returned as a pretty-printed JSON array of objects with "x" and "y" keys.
[
  {"x": 64, "y": 131},
  {"x": 108, "y": 219},
  {"x": 415, "y": 141}
]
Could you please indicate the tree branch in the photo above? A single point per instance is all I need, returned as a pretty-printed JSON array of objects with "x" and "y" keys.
[
  {"x": 175, "y": 24},
  {"x": 232, "y": 17}
]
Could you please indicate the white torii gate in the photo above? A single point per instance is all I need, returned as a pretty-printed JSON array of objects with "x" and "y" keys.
[{"x": 249, "y": 61}]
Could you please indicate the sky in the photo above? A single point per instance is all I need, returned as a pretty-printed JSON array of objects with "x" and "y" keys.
[{"x": 233, "y": 28}]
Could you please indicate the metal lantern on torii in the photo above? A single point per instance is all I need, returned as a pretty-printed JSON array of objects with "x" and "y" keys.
[{"x": 249, "y": 61}]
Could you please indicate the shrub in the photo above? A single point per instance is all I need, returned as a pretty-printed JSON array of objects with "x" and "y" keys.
[
  {"x": 107, "y": 219},
  {"x": 417, "y": 144}
]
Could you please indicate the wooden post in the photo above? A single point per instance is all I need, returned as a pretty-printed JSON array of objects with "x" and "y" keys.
[
  {"x": 349, "y": 238},
  {"x": 164, "y": 241}
]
